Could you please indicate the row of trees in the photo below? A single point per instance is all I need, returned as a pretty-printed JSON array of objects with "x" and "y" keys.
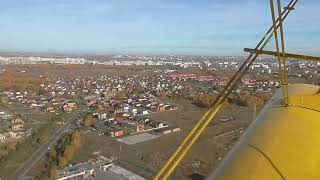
[
  {"x": 205, "y": 100},
  {"x": 88, "y": 121},
  {"x": 61, "y": 155},
  {"x": 247, "y": 101},
  {"x": 66, "y": 148}
]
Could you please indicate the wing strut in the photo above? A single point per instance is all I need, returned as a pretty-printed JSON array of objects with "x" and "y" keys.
[{"x": 187, "y": 143}]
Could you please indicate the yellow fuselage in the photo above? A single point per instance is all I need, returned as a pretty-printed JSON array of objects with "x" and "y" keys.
[{"x": 282, "y": 143}]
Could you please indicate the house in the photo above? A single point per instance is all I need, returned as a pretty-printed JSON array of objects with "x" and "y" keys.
[
  {"x": 2, "y": 137},
  {"x": 16, "y": 127},
  {"x": 11, "y": 135},
  {"x": 68, "y": 107},
  {"x": 114, "y": 132},
  {"x": 118, "y": 111},
  {"x": 125, "y": 115},
  {"x": 76, "y": 171},
  {"x": 158, "y": 125},
  {"x": 91, "y": 102},
  {"x": 4, "y": 115},
  {"x": 167, "y": 107},
  {"x": 134, "y": 111},
  {"x": 161, "y": 107},
  {"x": 110, "y": 120},
  {"x": 126, "y": 108},
  {"x": 103, "y": 116},
  {"x": 153, "y": 108},
  {"x": 16, "y": 124},
  {"x": 49, "y": 109},
  {"x": 133, "y": 126},
  {"x": 166, "y": 130}
]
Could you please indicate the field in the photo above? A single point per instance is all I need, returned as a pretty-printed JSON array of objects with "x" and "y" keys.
[
  {"x": 147, "y": 157},
  {"x": 69, "y": 71},
  {"x": 30, "y": 77}
]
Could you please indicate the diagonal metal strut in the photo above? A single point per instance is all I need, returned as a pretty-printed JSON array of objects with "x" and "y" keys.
[
  {"x": 187, "y": 143},
  {"x": 281, "y": 59},
  {"x": 288, "y": 55}
]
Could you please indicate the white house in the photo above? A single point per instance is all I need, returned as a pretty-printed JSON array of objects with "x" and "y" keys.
[{"x": 2, "y": 137}]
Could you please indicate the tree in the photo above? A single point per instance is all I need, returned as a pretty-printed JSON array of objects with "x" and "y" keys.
[
  {"x": 203, "y": 100},
  {"x": 138, "y": 89},
  {"x": 76, "y": 139},
  {"x": 162, "y": 94},
  {"x": 62, "y": 162},
  {"x": 69, "y": 152},
  {"x": 87, "y": 122},
  {"x": 247, "y": 101},
  {"x": 53, "y": 173},
  {"x": 52, "y": 154},
  {"x": 43, "y": 135},
  {"x": 11, "y": 145},
  {"x": 120, "y": 96}
]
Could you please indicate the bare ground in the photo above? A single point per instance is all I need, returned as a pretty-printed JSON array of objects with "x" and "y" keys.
[{"x": 146, "y": 158}]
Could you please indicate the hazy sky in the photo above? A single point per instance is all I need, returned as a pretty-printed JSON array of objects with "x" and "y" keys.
[{"x": 217, "y": 27}]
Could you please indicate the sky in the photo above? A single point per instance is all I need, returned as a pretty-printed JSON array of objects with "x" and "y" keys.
[{"x": 186, "y": 27}]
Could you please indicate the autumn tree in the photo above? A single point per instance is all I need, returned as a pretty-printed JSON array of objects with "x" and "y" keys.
[
  {"x": 76, "y": 139},
  {"x": 120, "y": 96},
  {"x": 137, "y": 89},
  {"x": 162, "y": 94},
  {"x": 53, "y": 173},
  {"x": 62, "y": 162},
  {"x": 265, "y": 97},
  {"x": 87, "y": 122},
  {"x": 65, "y": 150},
  {"x": 203, "y": 100},
  {"x": 11, "y": 145},
  {"x": 69, "y": 153},
  {"x": 247, "y": 101}
]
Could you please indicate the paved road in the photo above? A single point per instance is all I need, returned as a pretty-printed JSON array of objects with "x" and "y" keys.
[{"x": 21, "y": 172}]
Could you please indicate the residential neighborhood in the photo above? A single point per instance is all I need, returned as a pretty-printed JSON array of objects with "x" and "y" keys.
[{"x": 137, "y": 108}]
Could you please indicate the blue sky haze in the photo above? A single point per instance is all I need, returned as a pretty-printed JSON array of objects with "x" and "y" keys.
[{"x": 209, "y": 27}]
